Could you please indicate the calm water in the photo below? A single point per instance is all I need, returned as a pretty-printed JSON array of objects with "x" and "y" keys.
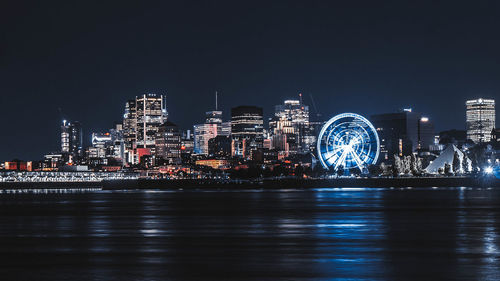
[{"x": 324, "y": 234}]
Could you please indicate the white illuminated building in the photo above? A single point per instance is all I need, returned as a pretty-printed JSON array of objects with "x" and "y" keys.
[
  {"x": 480, "y": 119},
  {"x": 289, "y": 128}
]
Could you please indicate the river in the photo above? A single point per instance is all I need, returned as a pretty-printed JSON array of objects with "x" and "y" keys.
[{"x": 320, "y": 234}]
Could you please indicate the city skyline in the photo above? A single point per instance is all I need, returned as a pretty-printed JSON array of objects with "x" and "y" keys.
[
  {"x": 225, "y": 114},
  {"x": 372, "y": 60}
]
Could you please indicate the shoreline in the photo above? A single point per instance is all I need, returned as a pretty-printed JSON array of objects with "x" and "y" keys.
[{"x": 288, "y": 183}]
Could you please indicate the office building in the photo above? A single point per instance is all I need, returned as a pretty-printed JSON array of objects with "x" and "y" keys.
[
  {"x": 142, "y": 119},
  {"x": 213, "y": 127},
  {"x": 71, "y": 141},
  {"x": 129, "y": 130},
  {"x": 151, "y": 114},
  {"x": 290, "y": 129},
  {"x": 168, "y": 144},
  {"x": 246, "y": 130},
  {"x": 480, "y": 119}
]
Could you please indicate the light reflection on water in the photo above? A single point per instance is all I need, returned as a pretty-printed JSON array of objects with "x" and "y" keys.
[{"x": 326, "y": 233}]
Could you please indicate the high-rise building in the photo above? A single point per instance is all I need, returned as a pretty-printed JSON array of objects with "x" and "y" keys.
[
  {"x": 480, "y": 119},
  {"x": 151, "y": 114},
  {"x": 402, "y": 133},
  {"x": 289, "y": 128},
  {"x": 101, "y": 150},
  {"x": 118, "y": 142},
  {"x": 71, "y": 141},
  {"x": 202, "y": 134},
  {"x": 142, "y": 119},
  {"x": 129, "y": 131},
  {"x": 246, "y": 130},
  {"x": 168, "y": 143},
  {"x": 213, "y": 127}
]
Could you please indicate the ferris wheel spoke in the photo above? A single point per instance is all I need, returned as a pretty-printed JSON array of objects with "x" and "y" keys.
[
  {"x": 332, "y": 153},
  {"x": 357, "y": 160},
  {"x": 341, "y": 159}
]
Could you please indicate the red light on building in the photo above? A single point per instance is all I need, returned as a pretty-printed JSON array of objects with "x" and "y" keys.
[
  {"x": 183, "y": 147},
  {"x": 111, "y": 168},
  {"x": 143, "y": 151},
  {"x": 23, "y": 166}
]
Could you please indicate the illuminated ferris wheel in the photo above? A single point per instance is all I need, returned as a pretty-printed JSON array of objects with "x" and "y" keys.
[{"x": 349, "y": 141}]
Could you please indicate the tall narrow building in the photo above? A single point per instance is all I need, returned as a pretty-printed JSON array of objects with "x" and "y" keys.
[
  {"x": 129, "y": 131},
  {"x": 151, "y": 114},
  {"x": 71, "y": 141},
  {"x": 168, "y": 144},
  {"x": 142, "y": 119},
  {"x": 246, "y": 130},
  {"x": 480, "y": 119}
]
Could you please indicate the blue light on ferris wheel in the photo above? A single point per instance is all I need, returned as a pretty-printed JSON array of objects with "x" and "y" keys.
[{"x": 348, "y": 140}]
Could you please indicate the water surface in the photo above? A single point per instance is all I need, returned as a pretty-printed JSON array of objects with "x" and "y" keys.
[{"x": 322, "y": 234}]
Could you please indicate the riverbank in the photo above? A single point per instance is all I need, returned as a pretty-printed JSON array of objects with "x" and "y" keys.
[{"x": 486, "y": 182}]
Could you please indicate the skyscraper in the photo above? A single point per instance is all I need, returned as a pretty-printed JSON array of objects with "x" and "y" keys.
[
  {"x": 142, "y": 119},
  {"x": 246, "y": 130},
  {"x": 151, "y": 114},
  {"x": 168, "y": 143},
  {"x": 213, "y": 127},
  {"x": 480, "y": 119},
  {"x": 129, "y": 131},
  {"x": 71, "y": 141},
  {"x": 289, "y": 128}
]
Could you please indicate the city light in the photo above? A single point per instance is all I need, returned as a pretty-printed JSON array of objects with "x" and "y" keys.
[{"x": 488, "y": 170}]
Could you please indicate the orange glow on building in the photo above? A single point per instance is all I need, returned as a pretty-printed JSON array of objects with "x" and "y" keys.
[{"x": 215, "y": 163}]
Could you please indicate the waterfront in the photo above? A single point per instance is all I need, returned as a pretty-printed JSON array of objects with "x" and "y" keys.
[{"x": 315, "y": 234}]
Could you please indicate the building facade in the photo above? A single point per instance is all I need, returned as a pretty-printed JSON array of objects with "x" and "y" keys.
[
  {"x": 247, "y": 130},
  {"x": 142, "y": 119},
  {"x": 289, "y": 128},
  {"x": 480, "y": 119},
  {"x": 71, "y": 142},
  {"x": 213, "y": 127},
  {"x": 168, "y": 144}
]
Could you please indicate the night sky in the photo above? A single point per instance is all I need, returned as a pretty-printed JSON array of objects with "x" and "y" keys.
[{"x": 88, "y": 58}]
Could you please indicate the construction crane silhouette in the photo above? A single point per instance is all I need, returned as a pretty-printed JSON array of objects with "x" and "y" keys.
[{"x": 318, "y": 115}]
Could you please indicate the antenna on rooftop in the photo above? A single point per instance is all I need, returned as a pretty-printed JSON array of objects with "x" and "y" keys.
[
  {"x": 300, "y": 97},
  {"x": 215, "y": 100}
]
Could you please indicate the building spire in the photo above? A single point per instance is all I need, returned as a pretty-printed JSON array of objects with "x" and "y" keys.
[{"x": 215, "y": 100}]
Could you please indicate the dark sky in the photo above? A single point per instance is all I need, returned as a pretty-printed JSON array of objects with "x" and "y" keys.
[{"x": 88, "y": 58}]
